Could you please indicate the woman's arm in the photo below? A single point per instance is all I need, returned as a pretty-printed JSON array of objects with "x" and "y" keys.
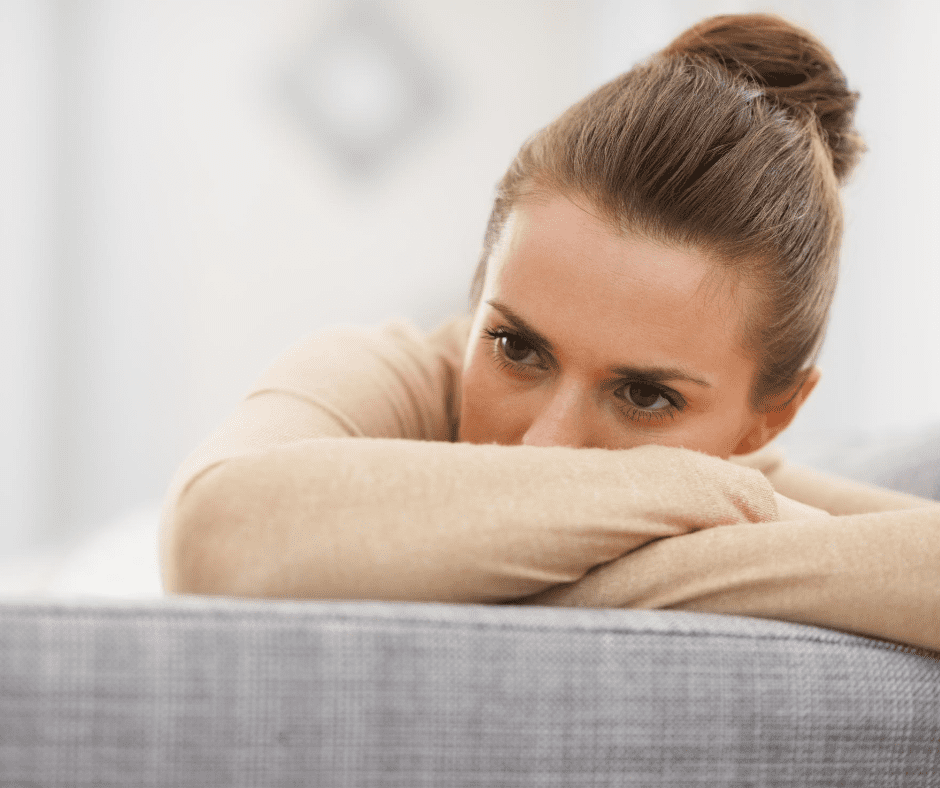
[
  {"x": 825, "y": 491},
  {"x": 426, "y": 520},
  {"x": 873, "y": 569},
  {"x": 836, "y": 495},
  {"x": 873, "y": 574},
  {"x": 335, "y": 478}
]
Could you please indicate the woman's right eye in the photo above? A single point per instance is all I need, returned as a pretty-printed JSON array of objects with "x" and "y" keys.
[{"x": 513, "y": 350}]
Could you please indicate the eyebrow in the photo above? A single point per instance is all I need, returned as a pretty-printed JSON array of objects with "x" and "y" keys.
[{"x": 644, "y": 374}]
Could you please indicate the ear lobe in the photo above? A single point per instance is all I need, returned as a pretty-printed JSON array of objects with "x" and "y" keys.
[
  {"x": 777, "y": 416},
  {"x": 755, "y": 439},
  {"x": 806, "y": 388}
]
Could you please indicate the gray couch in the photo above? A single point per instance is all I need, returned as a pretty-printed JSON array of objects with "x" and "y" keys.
[
  {"x": 225, "y": 693},
  {"x": 216, "y": 692}
]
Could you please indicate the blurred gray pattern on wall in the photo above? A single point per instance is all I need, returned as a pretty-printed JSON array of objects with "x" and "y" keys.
[{"x": 366, "y": 90}]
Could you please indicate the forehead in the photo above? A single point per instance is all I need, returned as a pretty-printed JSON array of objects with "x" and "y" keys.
[{"x": 611, "y": 297}]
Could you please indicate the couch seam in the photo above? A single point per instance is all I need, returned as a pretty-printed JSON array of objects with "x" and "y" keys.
[{"x": 104, "y": 614}]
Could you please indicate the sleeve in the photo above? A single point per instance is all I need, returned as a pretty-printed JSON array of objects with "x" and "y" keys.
[
  {"x": 837, "y": 495},
  {"x": 872, "y": 574},
  {"x": 823, "y": 492},
  {"x": 337, "y": 477},
  {"x": 345, "y": 382},
  {"x": 850, "y": 556}
]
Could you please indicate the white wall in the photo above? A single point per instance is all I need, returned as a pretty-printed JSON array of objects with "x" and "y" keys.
[
  {"x": 176, "y": 222},
  {"x": 27, "y": 247},
  {"x": 202, "y": 227}
]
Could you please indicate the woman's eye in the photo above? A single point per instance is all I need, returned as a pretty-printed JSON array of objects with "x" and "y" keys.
[
  {"x": 510, "y": 349},
  {"x": 645, "y": 396},
  {"x": 515, "y": 348}
]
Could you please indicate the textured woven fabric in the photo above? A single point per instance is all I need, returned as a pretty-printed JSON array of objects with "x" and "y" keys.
[{"x": 211, "y": 692}]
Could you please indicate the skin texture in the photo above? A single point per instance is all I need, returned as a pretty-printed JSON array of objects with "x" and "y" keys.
[{"x": 605, "y": 299}]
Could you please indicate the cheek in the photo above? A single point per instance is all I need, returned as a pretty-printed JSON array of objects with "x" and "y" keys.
[
  {"x": 718, "y": 431},
  {"x": 484, "y": 417}
]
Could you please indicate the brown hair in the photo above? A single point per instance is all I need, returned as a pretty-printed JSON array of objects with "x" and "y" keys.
[{"x": 732, "y": 140}]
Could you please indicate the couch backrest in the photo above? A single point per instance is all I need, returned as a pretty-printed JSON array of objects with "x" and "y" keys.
[{"x": 212, "y": 692}]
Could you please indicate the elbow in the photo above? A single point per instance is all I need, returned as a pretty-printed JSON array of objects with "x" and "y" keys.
[
  {"x": 184, "y": 560},
  {"x": 194, "y": 527}
]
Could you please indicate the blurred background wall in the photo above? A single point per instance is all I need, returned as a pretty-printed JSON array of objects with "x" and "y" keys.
[{"x": 192, "y": 185}]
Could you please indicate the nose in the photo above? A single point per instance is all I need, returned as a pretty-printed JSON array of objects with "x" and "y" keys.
[{"x": 562, "y": 419}]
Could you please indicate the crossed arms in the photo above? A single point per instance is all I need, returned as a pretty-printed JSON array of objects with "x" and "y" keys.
[{"x": 336, "y": 478}]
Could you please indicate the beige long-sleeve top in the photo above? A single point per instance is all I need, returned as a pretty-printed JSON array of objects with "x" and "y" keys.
[{"x": 338, "y": 477}]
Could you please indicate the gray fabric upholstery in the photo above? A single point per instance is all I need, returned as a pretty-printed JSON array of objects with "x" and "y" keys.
[
  {"x": 211, "y": 692},
  {"x": 908, "y": 462}
]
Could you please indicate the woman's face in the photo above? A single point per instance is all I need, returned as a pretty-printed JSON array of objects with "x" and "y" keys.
[{"x": 588, "y": 338}]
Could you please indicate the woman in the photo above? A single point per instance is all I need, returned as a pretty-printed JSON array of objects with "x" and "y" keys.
[{"x": 654, "y": 289}]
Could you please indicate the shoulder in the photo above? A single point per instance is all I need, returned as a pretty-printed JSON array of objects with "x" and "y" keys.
[
  {"x": 767, "y": 460},
  {"x": 390, "y": 380}
]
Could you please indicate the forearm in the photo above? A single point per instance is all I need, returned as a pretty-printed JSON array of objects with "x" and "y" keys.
[
  {"x": 837, "y": 495},
  {"x": 872, "y": 574},
  {"x": 423, "y": 520}
]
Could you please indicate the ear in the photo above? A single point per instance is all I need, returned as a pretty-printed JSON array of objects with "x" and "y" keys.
[{"x": 776, "y": 416}]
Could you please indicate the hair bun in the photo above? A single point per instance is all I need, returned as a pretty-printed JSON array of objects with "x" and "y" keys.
[{"x": 790, "y": 65}]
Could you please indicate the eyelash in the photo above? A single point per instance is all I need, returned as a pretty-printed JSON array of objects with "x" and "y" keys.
[{"x": 494, "y": 335}]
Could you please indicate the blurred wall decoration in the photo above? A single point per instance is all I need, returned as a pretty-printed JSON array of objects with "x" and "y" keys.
[
  {"x": 193, "y": 185},
  {"x": 365, "y": 89}
]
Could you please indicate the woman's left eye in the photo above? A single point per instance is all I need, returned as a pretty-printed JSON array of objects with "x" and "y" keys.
[
  {"x": 644, "y": 402},
  {"x": 645, "y": 396}
]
